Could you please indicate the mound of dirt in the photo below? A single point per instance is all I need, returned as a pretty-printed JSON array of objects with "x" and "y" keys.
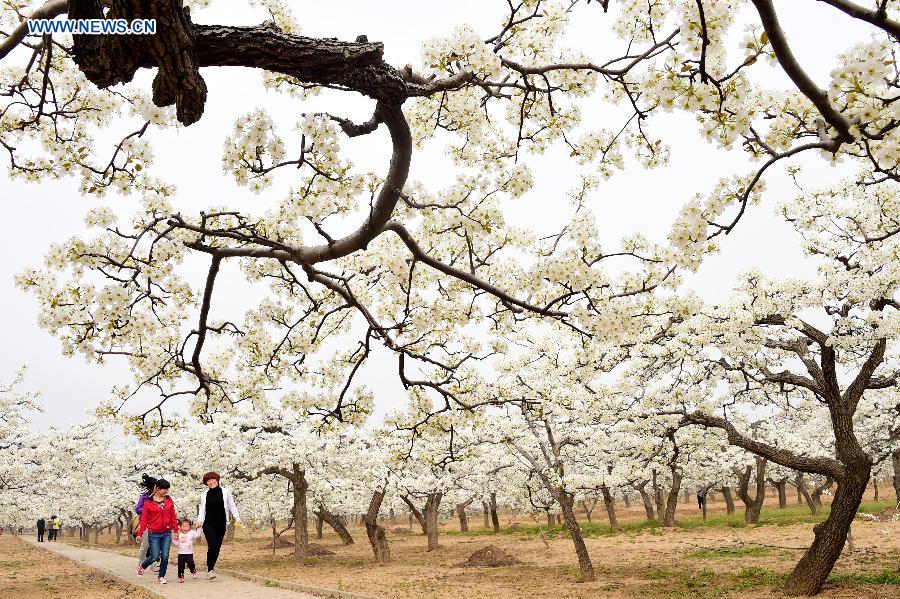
[
  {"x": 401, "y": 531},
  {"x": 279, "y": 544},
  {"x": 490, "y": 557},
  {"x": 315, "y": 549}
]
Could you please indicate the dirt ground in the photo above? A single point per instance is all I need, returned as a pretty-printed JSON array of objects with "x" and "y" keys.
[
  {"x": 29, "y": 573},
  {"x": 721, "y": 558}
]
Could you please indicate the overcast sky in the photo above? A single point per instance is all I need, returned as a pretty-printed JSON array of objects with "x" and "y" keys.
[{"x": 636, "y": 200}]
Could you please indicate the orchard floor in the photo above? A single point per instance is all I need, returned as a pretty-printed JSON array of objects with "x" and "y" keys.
[
  {"x": 27, "y": 572},
  {"x": 716, "y": 558}
]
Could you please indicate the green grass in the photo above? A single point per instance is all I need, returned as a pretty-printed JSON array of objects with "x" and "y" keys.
[
  {"x": 885, "y": 577},
  {"x": 729, "y": 552},
  {"x": 794, "y": 514}
]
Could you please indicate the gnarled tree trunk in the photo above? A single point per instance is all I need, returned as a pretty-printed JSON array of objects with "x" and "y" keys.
[
  {"x": 752, "y": 505},
  {"x": 816, "y": 564},
  {"x": 375, "y": 532}
]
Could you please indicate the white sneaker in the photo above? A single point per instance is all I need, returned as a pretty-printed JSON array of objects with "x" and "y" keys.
[
  {"x": 162, "y": 580},
  {"x": 212, "y": 574}
]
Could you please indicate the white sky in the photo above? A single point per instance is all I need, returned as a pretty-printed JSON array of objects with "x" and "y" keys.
[{"x": 635, "y": 200}]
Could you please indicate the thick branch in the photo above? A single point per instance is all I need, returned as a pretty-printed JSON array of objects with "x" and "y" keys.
[
  {"x": 788, "y": 459},
  {"x": 51, "y": 9},
  {"x": 793, "y": 70},
  {"x": 874, "y": 17}
]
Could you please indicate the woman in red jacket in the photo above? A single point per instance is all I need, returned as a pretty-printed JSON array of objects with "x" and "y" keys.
[{"x": 158, "y": 518}]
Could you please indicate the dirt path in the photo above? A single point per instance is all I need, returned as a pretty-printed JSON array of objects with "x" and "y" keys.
[{"x": 125, "y": 569}]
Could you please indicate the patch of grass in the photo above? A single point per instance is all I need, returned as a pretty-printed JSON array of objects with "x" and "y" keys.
[
  {"x": 760, "y": 576},
  {"x": 588, "y": 529},
  {"x": 885, "y": 577},
  {"x": 729, "y": 552},
  {"x": 661, "y": 573}
]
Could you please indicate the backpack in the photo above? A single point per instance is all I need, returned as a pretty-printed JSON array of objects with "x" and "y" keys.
[{"x": 135, "y": 524}]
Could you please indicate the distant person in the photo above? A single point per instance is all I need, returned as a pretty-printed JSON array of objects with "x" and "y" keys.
[
  {"x": 55, "y": 524},
  {"x": 186, "y": 538},
  {"x": 41, "y": 527},
  {"x": 701, "y": 497},
  {"x": 147, "y": 483},
  {"x": 159, "y": 521},
  {"x": 217, "y": 506}
]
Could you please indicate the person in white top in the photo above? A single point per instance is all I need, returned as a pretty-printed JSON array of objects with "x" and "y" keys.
[{"x": 217, "y": 508}]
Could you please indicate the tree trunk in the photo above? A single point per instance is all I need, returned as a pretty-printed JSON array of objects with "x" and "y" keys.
[
  {"x": 584, "y": 560},
  {"x": 895, "y": 461},
  {"x": 610, "y": 505},
  {"x": 752, "y": 505},
  {"x": 875, "y": 484},
  {"x": 463, "y": 518},
  {"x": 414, "y": 511},
  {"x": 393, "y": 517},
  {"x": 484, "y": 512},
  {"x": 588, "y": 510},
  {"x": 781, "y": 487},
  {"x": 816, "y": 495},
  {"x": 658, "y": 498},
  {"x": 495, "y": 519},
  {"x": 119, "y": 528},
  {"x": 626, "y": 498},
  {"x": 96, "y": 535},
  {"x": 301, "y": 534},
  {"x": 816, "y": 564},
  {"x": 432, "y": 504},
  {"x": 672, "y": 500},
  {"x": 375, "y": 532},
  {"x": 645, "y": 497},
  {"x": 800, "y": 482},
  {"x": 323, "y": 515},
  {"x": 551, "y": 520}
]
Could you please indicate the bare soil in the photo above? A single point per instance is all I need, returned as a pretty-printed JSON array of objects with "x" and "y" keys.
[
  {"x": 724, "y": 560},
  {"x": 29, "y": 573}
]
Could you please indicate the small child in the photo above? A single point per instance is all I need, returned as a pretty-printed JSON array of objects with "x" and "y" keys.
[{"x": 186, "y": 538}]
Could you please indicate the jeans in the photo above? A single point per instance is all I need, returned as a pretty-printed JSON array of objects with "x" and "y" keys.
[
  {"x": 215, "y": 534},
  {"x": 159, "y": 543},
  {"x": 40, "y": 535}
]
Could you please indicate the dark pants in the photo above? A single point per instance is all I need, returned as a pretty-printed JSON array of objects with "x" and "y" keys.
[
  {"x": 40, "y": 535},
  {"x": 700, "y": 502},
  {"x": 215, "y": 534},
  {"x": 52, "y": 535},
  {"x": 186, "y": 559}
]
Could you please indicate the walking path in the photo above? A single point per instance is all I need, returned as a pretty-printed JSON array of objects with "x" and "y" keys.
[{"x": 125, "y": 568}]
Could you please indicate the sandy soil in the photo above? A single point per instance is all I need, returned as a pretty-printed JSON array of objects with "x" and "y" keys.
[
  {"x": 715, "y": 561},
  {"x": 30, "y": 573}
]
